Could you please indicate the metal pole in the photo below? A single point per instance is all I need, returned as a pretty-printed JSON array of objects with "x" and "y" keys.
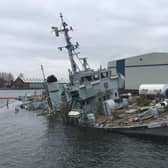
[{"x": 47, "y": 91}]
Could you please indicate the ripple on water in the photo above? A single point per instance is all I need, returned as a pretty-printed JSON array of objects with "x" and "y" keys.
[{"x": 28, "y": 140}]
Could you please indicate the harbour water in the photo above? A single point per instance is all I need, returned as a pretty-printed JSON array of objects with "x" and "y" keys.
[{"x": 28, "y": 140}]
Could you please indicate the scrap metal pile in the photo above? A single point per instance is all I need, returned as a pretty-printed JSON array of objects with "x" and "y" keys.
[
  {"x": 34, "y": 103},
  {"x": 134, "y": 110}
]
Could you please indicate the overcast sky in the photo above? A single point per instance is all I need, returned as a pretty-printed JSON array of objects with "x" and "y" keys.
[{"x": 105, "y": 29}]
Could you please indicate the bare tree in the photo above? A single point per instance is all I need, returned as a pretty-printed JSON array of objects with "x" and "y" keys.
[{"x": 6, "y": 79}]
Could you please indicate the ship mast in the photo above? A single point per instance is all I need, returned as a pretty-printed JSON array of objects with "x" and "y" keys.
[{"x": 69, "y": 46}]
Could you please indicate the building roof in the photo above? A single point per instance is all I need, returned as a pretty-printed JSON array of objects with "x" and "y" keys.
[
  {"x": 38, "y": 80},
  {"x": 150, "y": 58},
  {"x": 141, "y": 55},
  {"x": 31, "y": 80}
]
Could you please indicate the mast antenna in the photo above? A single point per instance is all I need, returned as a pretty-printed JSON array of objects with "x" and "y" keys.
[{"x": 71, "y": 48}]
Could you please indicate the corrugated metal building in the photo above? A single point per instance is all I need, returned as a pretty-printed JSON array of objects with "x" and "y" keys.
[{"x": 142, "y": 69}]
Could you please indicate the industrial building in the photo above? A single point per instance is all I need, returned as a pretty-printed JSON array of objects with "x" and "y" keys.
[
  {"x": 149, "y": 68},
  {"x": 27, "y": 83}
]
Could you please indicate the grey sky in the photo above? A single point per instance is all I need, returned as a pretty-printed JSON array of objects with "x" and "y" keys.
[{"x": 105, "y": 29}]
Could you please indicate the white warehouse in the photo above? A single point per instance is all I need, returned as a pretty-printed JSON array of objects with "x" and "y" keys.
[{"x": 149, "y": 68}]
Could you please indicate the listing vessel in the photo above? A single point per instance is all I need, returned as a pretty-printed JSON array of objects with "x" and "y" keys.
[
  {"x": 91, "y": 97},
  {"x": 88, "y": 90}
]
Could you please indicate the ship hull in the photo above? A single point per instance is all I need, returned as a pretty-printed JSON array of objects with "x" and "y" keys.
[{"x": 144, "y": 131}]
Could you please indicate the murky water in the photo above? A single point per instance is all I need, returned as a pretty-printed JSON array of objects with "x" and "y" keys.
[
  {"x": 20, "y": 92},
  {"x": 30, "y": 141}
]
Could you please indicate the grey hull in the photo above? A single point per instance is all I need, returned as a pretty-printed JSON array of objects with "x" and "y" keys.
[{"x": 158, "y": 131}]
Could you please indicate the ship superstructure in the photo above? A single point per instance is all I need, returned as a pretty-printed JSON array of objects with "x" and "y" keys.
[{"x": 89, "y": 91}]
